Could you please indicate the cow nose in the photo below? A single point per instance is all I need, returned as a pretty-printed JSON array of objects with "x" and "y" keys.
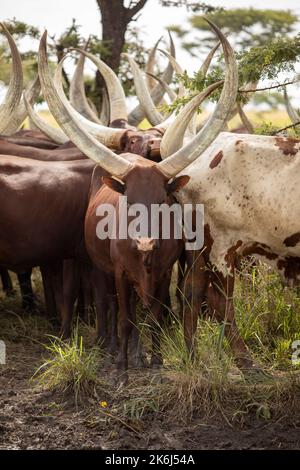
[
  {"x": 145, "y": 244},
  {"x": 154, "y": 145}
]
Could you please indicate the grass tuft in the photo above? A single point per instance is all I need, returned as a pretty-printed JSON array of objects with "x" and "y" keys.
[{"x": 70, "y": 367}]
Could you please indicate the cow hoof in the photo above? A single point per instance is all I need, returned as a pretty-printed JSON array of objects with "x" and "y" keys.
[
  {"x": 156, "y": 364},
  {"x": 107, "y": 360},
  {"x": 112, "y": 349},
  {"x": 140, "y": 362},
  {"x": 65, "y": 336},
  {"x": 246, "y": 363}
]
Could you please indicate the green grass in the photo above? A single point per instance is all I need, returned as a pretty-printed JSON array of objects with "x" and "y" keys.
[
  {"x": 70, "y": 367},
  {"x": 268, "y": 316}
]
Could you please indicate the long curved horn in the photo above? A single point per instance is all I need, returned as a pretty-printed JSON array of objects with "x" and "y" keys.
[
  {"x": 172, "y": 165},
  {"x": 106, "y": 135},
  {"x": 245, "y": 119},
  {"x": 149, "y": 69},
  {"x": 293, "y": 115},
  {"x": 205, "y": 66},
  {"x": 171, "y": 93},
  {"x": 178, "y": 70},
  {"x": 103, "y": 156},
  {"x": 117, "y": 100},
  {"x": 20, "y": 115},
  {"x": 57, "y": 135},
  {"x": 105, "y": 112},
  {"x": 191, "y": 129},
  {"x": 173, "y": 137},
  {"x": 15, "y": 88},
  {"x": 77, "y": 93},
  {"x": 138, "y": 114},
  {"x": 143, "y": 93}
]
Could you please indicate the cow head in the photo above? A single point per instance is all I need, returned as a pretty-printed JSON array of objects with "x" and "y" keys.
[{"x": 145, "y": 143}]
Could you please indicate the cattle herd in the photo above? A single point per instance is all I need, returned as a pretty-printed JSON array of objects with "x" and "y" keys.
[{"x": 53, "y": 181}]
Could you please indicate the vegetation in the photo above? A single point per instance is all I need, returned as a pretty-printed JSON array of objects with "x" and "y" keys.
[
  {"x": 70, "y": 367},
  {"x": 268, "y": 317}
]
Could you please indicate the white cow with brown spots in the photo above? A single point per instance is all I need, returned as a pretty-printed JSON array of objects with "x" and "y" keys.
[{"x": 250, "y": 189}]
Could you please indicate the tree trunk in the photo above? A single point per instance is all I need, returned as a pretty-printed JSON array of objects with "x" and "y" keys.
[
  {"x": 114, "y": 25},
  {"x": 115, "y": 18}
]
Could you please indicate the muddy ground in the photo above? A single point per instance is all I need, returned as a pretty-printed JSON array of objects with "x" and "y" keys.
[{"x": 35, "y": 419}]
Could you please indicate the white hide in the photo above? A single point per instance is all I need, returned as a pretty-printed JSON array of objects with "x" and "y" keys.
[{"x": 252, "y": 195}]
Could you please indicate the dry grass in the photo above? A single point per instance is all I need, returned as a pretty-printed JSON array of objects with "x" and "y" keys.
[{"x": 278, "y": 118}]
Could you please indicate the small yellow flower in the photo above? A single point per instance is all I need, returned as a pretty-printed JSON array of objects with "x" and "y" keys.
[{"x": 103, "y": 404}]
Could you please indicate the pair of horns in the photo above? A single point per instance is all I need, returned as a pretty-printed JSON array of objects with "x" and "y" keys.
[{"x": 116, "y": 164}]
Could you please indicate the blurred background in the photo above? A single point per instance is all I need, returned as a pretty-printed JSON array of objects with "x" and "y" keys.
[{"x": 135, "y": 26}]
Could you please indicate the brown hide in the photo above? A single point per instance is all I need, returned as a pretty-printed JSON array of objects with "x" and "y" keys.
[
  {"x": 34, "y": 138},
  {"x": 59, "y": 154},
  {"x": 42, "y": 219}
]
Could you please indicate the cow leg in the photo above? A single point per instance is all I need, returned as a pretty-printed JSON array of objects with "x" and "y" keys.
[
  {"x": 139, "y": 357},
  {"x": 123, "y": 288},
  {"x": 220, "y": 301},
  {"x": 157, "y": 308},
  {"x": 53, "y": 279},
  {"x": 85, "y": 299},
  {"x": 193, "y": 288},
  {"x": 113, "y": 322},
  {"x": 102, "y": 306},
  {"x": 28, "y": 297},
  {"x": 6, "y": 282},
  {"x": 51, "y": 308},
  {"x": 70, "y": 292},
  {"x": 180, "y": 277}
]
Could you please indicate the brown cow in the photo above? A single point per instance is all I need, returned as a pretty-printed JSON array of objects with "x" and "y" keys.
[
  {"x": 143, "y": 263},
  {"x": 47, "y": 202}
]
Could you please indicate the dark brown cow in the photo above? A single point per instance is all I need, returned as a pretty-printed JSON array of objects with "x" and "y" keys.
[
  {"x": 47, "y": 202},
  {"x": 33, "y": 138},
  {"x": 143, "y": 263},
  {"x": 59, "y": 154}
]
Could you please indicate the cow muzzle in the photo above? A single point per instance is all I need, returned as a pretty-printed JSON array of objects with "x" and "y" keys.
[
  {"x": 154, "y": 148},
  {"x": 145, "y": 244}
]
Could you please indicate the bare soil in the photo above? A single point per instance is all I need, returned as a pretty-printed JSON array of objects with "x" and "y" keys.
[{"x": 34, "y": 419}]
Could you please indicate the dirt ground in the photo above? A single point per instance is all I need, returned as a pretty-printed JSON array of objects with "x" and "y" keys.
[{"x": 34, "y": 419}]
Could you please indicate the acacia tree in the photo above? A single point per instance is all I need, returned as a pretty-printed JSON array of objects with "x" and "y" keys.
[
  {"x": 247, "y": 27},
  {"x": 116, "y": 16}
]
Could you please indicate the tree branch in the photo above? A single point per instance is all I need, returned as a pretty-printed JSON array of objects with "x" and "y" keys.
[
  {"x": 285, "y": 128},
  {"x": 134, "y": 10},
  {"x": 269, "y": 87}
]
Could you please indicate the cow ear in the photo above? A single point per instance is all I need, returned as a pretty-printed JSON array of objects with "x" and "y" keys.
[
  {"x": 114, "y": 184},
  {"x": 177, "y": 183}
]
